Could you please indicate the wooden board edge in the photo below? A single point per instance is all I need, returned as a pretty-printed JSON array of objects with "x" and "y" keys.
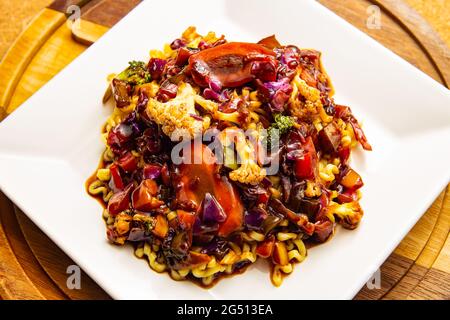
[
  {"x": 23, "y": 50},
  {"x": 430, "y": 41},
  {"x": 13, "y": 278},
  {"x": 88, "y": 32}
]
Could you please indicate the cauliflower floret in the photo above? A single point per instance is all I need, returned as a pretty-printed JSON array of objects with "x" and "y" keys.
[
  {"x": 177, "y": 117},
  {"x": 349, "y": 214},
  {"x": 249, "y": 171},
  {"x": 313, "y": 103}
]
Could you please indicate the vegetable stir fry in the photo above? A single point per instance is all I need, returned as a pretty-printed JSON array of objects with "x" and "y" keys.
[{"x": 221, "y": 153}]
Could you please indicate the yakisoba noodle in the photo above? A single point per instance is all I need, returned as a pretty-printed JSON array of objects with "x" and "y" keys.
[{"x": 272, "y": 179}]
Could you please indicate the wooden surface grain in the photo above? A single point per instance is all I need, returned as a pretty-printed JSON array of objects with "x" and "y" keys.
[
  {"x": 17, "y": 14},
  {"x": 32, "y": 267}
]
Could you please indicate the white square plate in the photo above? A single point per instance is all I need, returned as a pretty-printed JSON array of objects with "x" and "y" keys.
[{"x": 51, "y": 144}]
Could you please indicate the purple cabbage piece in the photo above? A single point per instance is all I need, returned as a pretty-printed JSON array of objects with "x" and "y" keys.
[
  {"x": 200, "y": 228},
  {"x": 111, "y": 234},
  {"x": 294, "y": 146},
  {"x": 203, "y": 45},
  {"x": 138, "y": 234},
  {"x": 214, "y": 84},
  {"x": 264, "y": 70},
  {"x": 196, "y": 117},
  {"x": 156, "y": 67},
  {"x": 286, "y": 186},
  {"x": 134, "y": 123},
  {"x": 212, "y": 210},
  {"x": 151, "y": 171},
  {"x": 149, "y": 143},
  {"x": 277, "y": 92},
  {"x": 167, "y": 91},
  {"x": 210, "y": 94},
  {"x": 290, "y": 57},
  {"x": 266, "y": 182},
  {"x": 142, "y": 102},
  {"x": 254, "y": 218},
  {"x": 216, "y": 247},
  {"x": 252, "y": 193},
  {"x": 177, "y": 44},
  {"x": 120, "y": 138}
]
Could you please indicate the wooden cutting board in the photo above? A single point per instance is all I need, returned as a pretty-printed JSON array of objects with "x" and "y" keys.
[{"x": 33, "y": 267}]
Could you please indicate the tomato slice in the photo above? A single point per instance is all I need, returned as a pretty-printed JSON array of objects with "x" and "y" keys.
[{"x": 230, "y": 64}]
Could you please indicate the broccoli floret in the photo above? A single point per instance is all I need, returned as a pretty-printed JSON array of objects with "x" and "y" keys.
[
  {"x": 135, "y": 74},
  {"x": 281, "y": 126}
]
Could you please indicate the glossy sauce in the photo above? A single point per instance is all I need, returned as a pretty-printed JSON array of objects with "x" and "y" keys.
[{"x": 195, "y": 178}]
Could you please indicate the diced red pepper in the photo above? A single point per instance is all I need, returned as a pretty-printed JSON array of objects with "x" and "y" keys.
[
  {"x": 120, "y": 201},
  {"x": 323, "y": 230},
  {"x": 305, "y": 167},
  {"x": 352, "y": 180},
  {"x": 115, "y": 176},
  {"x": 151, "y": 171},
  {"x": 128, "y": 162},
  {"x": 330, "y": 138},
  {"x": 347, "y": 196},
  {"x": 309, "y": 79},
  {"x": 183, "y": 56},
  {"x": 344, "y": 154},
  {"x": 165, "y": 174},
  {"x": 186, "y": 219},
  {"x": 144, "y": 196},
  {"x": 161, "y": 227},
  {"x": 345, "y": 114},
  {"x": 263, "y": 198},
  {"x": 265, "y": 248},
  {"x": 359, "y": 134}
]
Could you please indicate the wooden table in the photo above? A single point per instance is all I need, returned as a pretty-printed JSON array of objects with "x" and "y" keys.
[{"x": 32, "y": 267}]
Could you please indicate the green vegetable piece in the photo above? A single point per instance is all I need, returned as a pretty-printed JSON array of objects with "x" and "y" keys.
[{"x": 136, "y": 73}]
